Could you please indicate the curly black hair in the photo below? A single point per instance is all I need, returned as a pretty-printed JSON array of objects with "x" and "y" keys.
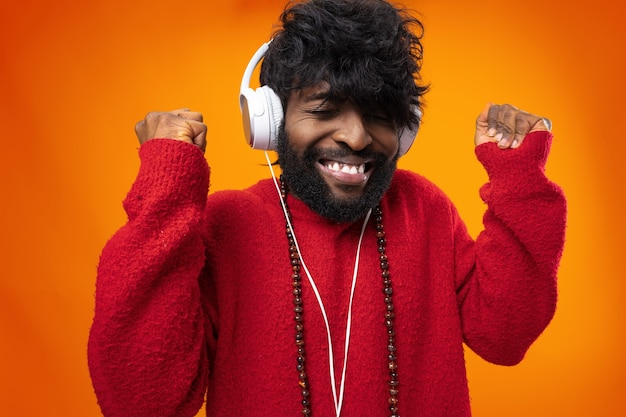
[{"x": 366, "y": 50}]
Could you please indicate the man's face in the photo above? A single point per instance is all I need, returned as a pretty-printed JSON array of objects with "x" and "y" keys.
[{"x": 336, "y": 157}]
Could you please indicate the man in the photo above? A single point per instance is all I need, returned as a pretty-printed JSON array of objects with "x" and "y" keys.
[{"x": 346, "y": 288}]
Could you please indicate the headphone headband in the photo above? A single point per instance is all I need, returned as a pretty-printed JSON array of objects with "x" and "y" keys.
[{"x": 254, "y": 61}]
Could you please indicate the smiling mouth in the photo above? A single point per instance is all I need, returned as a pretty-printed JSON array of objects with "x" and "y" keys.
[
  {"x": 344, "y": 173},
  {"x": 345, "y": 168}
]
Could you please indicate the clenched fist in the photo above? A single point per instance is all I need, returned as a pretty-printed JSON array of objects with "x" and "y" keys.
[
  {"x": 181, "y": 124},
  {"x": 506, "y": 125}
]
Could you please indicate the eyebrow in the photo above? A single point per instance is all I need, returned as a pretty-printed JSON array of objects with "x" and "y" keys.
[{"x": 319, "y": 95}]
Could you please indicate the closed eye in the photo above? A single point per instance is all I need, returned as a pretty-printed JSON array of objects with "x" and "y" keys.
[
  {"x": 323, "y": 113},
  {"x": 380, "y": 118}
]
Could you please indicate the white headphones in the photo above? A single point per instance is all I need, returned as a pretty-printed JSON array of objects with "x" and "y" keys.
[{"x": 262, "y": 112}]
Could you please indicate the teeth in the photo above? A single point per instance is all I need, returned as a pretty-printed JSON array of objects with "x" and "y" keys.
[{"x": 346, "y": 168}]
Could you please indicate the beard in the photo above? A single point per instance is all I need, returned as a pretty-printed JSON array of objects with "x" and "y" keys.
[{"x": 304, "y": 180}]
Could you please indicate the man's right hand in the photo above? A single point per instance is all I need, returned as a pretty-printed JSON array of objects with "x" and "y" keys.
[{"x": 181, "y": 124}]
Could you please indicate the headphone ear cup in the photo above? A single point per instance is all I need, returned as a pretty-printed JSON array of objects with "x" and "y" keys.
[
  {"x": 407, "y": 136},
  {"x": 262, "y": 114},
  {"x": 276, "y": 112}
]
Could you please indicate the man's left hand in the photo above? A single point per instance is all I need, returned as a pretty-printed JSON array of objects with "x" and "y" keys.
[{"x": 507, "y": 125}]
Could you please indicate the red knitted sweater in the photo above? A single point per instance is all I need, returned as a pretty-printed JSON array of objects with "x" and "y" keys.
[{"x": 193, "y": 296}]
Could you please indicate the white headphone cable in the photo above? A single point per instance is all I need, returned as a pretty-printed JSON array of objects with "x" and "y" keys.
[{"x": 338, "y": 400}]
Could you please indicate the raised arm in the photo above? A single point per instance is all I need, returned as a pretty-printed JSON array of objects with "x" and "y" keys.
[
  {"x": 509, "y": 296},
  {"x": 148, "y": 344}
]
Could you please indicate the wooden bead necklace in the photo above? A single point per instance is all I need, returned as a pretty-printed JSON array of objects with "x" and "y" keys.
[{"x": 389, "y": 315}]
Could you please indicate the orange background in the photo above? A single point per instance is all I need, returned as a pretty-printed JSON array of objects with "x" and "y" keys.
[{"x": 76, "y": 76}]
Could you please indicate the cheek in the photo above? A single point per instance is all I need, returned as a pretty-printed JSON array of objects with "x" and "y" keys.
[
  {"x": 300, "y": 134},
  {"x": 296, "y": 143},
  {"x": 388, "y": 142}
]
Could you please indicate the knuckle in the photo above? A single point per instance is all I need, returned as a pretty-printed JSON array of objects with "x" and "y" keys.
[
  {"x": 509, "y": 107},
  {"x": 521, "y": 117},
  {"x": 152, "y": 116},
  {"x": 195, "y": 116},
  {"x": 503, "y": 127}
]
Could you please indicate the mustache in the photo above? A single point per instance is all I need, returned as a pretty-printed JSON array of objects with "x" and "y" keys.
[{"x": 342, "y": 151}]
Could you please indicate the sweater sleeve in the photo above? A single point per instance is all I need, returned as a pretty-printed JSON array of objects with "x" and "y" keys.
[
  {"x": 509, "y": 295},
  {"x": 147, "y": 350}
]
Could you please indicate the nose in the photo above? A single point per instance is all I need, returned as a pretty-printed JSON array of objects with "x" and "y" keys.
[{"x": 352, "y": 130}]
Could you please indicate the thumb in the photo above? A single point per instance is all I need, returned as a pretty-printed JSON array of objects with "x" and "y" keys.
[
  {"x": 198, "y": 134},
  {"x": 482, "y": 126}
]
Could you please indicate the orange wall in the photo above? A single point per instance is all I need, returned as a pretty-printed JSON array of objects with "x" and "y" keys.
[{"x": 76, "y": 76}]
